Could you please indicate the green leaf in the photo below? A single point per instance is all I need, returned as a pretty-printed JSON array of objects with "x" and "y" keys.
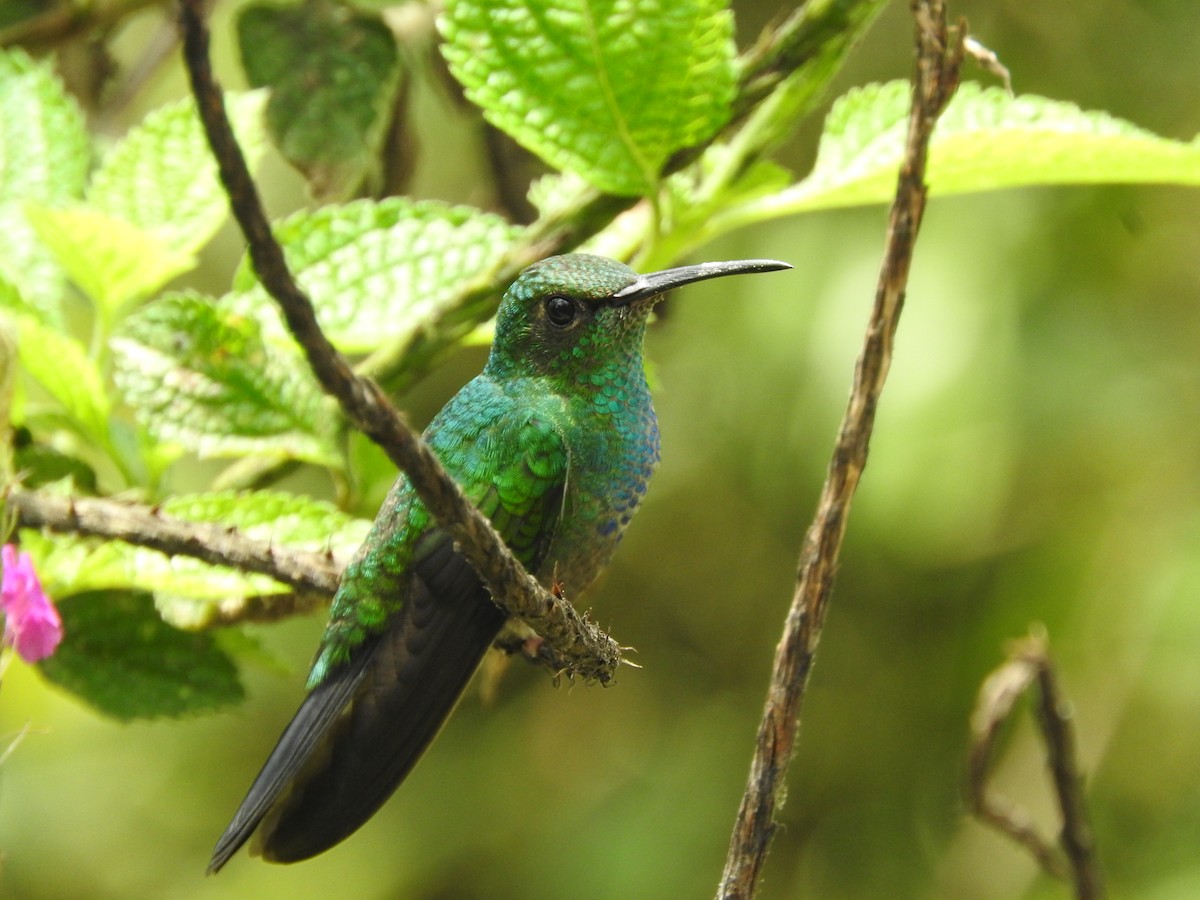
[
  {"x": 202, "y": 376},
  {"x": 333, "y": 73},
  {"x": 63, "y": 368},
  {"x": 111, "y": 261},
  {"x": 44, "y": 155},
  {"x": 120, "y": 657},
  {"x": 189, "y": 590},
  {"x": 161, "y": 177},
  {"x": 44, "y": 149},
  {"x": 28, "y": 263},
  {"x": 290, "y": 520},
  {"x": 985, "y": 140},
  {"x": 608, "y": 89},
  {"x": 378, "y": 270}
]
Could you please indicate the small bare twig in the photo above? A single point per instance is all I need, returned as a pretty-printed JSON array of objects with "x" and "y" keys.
[
  {"x": 312, "y": 576},
  {"x": 587, "y": 650},
  {"x": 989, "y": 61},
  {"x": 939, "y": 55},
  {"x": 144, "y": 526},
  {"x": 1029, "y": 662}
]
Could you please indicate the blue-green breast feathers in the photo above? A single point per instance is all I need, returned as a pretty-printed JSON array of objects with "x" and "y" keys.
[{"x": 510, "y": 460}]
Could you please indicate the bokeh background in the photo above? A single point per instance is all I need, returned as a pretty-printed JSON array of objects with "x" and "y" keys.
[{"x": 1037, "y": 460}]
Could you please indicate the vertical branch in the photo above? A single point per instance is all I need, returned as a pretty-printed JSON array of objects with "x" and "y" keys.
[
  {"x": 1076, "y": 838},
  {"x": 938, "y": 57}
]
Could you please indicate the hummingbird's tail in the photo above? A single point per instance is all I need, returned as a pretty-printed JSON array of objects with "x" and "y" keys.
[{"x": 360, "y": 731}]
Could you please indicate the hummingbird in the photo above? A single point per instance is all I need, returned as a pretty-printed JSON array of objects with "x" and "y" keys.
[{"x": 555, "y": 441}]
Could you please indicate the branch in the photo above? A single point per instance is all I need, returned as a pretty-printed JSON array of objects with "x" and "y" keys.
[
  {"x": 585, "y": 649},
  {"x": 145, "y": 526},
  {"x": 1029, "y": 662},
  {"x": 312, "y": 576},
  {"x": 938, "y": 56}
]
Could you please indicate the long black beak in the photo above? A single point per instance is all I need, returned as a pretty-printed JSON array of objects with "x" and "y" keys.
[{"x": 657, "y": 283}]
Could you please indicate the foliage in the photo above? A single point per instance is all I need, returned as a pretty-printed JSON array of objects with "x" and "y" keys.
[
  {"x": 132, "y": 374},
  {"x": 127, "y": 662}
]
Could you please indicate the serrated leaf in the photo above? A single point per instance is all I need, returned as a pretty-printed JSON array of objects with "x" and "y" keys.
[
  {"x": 188, "y": 589},
  {"x": 44, "y": 155},
  {"x": 605, "y": 88},
  {"x": 202, "y": 376},
  {"x": 65, "y": 370},
  {"x": 332, "y": 71},
  {"x": 378, "y": 270},
  {"x": 120, "y": 657},
  {"x": 556, "y": 193},
  {"x": 28, "y": 263},
  {"x": 44, "y": 147},
  {"x": 290, "y": 520},
  {"x": 162, "y": 178},
  {"x": 111, "y": 261},
  {"x": 985, "y": 140}
]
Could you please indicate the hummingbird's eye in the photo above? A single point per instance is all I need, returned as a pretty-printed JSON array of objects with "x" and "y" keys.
[{"x": 560, "y": 311}]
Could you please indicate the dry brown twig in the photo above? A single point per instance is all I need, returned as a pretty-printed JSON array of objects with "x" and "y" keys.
[
  {"x": 939, "y": 53},
  {"x": 1074, "y": 858}
]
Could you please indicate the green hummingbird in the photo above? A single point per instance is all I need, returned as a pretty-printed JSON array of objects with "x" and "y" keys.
[{"x": 555, "y": 442}]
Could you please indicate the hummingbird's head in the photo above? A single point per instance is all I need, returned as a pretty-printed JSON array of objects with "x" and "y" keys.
[{"x": 569, "y": 312}]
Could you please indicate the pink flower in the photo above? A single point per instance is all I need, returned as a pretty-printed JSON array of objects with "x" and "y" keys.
[{"x": 31, "y": 623}]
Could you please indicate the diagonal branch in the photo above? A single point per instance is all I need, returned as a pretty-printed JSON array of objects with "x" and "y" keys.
[
  {"x": 938, "y": 56},
  {"x": 584, "y": 648}
]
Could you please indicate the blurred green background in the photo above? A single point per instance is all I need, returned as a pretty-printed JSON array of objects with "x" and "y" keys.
[{"x": 1037, "y": 459}]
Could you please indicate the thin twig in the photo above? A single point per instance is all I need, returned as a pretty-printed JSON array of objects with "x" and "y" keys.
[
  {"x": 313, "y": 577},
  {"x": 144, "y": 526},
  {"x": 939, "y": 54},
  {"x": 1075, "y": 856},
  {"x": 589, "y": 652},
  {"x": 1077, "y": 838},
  {"x": 997, "y": 696}
]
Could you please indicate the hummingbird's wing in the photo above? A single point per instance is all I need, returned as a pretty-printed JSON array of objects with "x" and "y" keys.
[{"x": 374, "y": 711}]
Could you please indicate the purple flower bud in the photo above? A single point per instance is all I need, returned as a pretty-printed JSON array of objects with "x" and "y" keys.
[{"x": 31, "y": 623}]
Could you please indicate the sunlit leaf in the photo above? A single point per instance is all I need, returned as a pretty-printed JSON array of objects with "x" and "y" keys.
[
  {"x": 608, "y": 89},
  {"x": 44, "y": 156},
  {"x": 64, "y": 369},
  {"x": 44, "y": 145},
  {"x": 111, "y": 261},
  {"x": 985, "y": 140},
  {"x": 379, "y": 270},
  {"x": 202, "y": 376},
  {"x": 161, "y": 177}
]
